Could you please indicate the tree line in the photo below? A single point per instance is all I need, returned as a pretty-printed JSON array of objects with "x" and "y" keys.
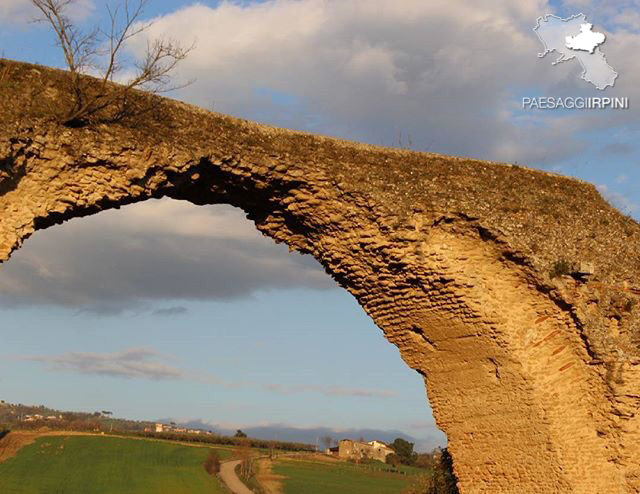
[{"x": 226, "y": 440}]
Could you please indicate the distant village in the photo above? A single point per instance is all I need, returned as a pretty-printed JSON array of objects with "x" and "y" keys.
[
  {"x": 40, "y": 415},
  {"x": 172, "y": 427},
  {"x": 37, "y": 416}
]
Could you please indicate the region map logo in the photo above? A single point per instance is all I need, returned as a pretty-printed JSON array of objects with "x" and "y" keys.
[{"x": 574, "y": 38}]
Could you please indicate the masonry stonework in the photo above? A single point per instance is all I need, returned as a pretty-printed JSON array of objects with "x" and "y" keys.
[{"x": 473, "y": 269}]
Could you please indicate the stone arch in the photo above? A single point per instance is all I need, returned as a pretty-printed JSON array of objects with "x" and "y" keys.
[{"x": 512, "y": 291}]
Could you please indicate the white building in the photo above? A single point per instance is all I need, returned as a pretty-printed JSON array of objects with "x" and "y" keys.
[{"x": 357, "y": 450}]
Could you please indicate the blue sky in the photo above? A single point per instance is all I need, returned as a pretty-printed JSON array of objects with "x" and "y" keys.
[
  {"x": 311, "y": 347},
  {"x": 166, "y": 309}
]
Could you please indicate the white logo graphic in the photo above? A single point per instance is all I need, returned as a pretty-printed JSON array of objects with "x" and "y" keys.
[
  {"x": 574, "y": 38},
  {"x": 587, "y": 40}
]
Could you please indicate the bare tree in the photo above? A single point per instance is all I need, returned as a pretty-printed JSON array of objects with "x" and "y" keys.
[
  {"x": 100, "y": 51},
  {"x": 243, "y": 453},
  {"x": 272, "y": 449},
  {"x": 326, "y": 441}
]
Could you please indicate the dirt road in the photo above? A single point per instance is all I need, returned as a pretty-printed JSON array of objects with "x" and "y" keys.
[{"x": 231, "y": 480}]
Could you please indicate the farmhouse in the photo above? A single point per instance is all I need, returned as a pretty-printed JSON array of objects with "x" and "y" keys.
[{"x": 357, "y": 450}]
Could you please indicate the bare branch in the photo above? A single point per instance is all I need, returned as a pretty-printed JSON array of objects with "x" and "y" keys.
[{"x": 83, "y": 50}]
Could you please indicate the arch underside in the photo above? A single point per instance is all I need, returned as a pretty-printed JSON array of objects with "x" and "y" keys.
[{"x": 532, "y": 374}]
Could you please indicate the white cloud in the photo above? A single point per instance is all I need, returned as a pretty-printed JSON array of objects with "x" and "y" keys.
[
  {"x": 16, "y": 11},
  {"x": 446, "y": 75},
  {"x": 369, "y": 69},
  {"x": 23, "y": 11},
  {"x": 130, "y": 363},
  {"x": 146, "y": 363},
  {"x": 182, "y": 219},
  {"x": 151, "y": 252}
]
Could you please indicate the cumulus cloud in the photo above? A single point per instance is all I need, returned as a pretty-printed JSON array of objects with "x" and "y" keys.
[
  {"x": 443, "y": 76},
  {"x": 146, "y": 253},
  {"x": 130, "y": 363}
]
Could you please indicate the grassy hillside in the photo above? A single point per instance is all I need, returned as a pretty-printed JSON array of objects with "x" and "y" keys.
[
  {"x": 107, "y": 465},
  {"x": 318, "y": 477}
]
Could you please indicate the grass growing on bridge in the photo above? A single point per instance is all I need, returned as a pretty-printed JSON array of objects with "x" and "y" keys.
[
  {"x": 107, "y": 465},
  {"x": 319, "y": 477}
]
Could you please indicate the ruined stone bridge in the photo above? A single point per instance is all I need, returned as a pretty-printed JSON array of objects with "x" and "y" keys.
[{"x": 512, "y": 291}]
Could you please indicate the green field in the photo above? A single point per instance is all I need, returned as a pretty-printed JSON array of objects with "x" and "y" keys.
[
  {"x": 107, "y": 465},
  {"x": 314, "y": 477}
]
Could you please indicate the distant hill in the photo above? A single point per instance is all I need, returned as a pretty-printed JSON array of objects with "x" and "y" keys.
[
  {"x": 311, "y": 435},
  {"x": 19, "y": 414}
]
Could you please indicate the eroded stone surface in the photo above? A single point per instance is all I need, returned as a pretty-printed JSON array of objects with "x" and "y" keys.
[{"x": 534, "y": 378}]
